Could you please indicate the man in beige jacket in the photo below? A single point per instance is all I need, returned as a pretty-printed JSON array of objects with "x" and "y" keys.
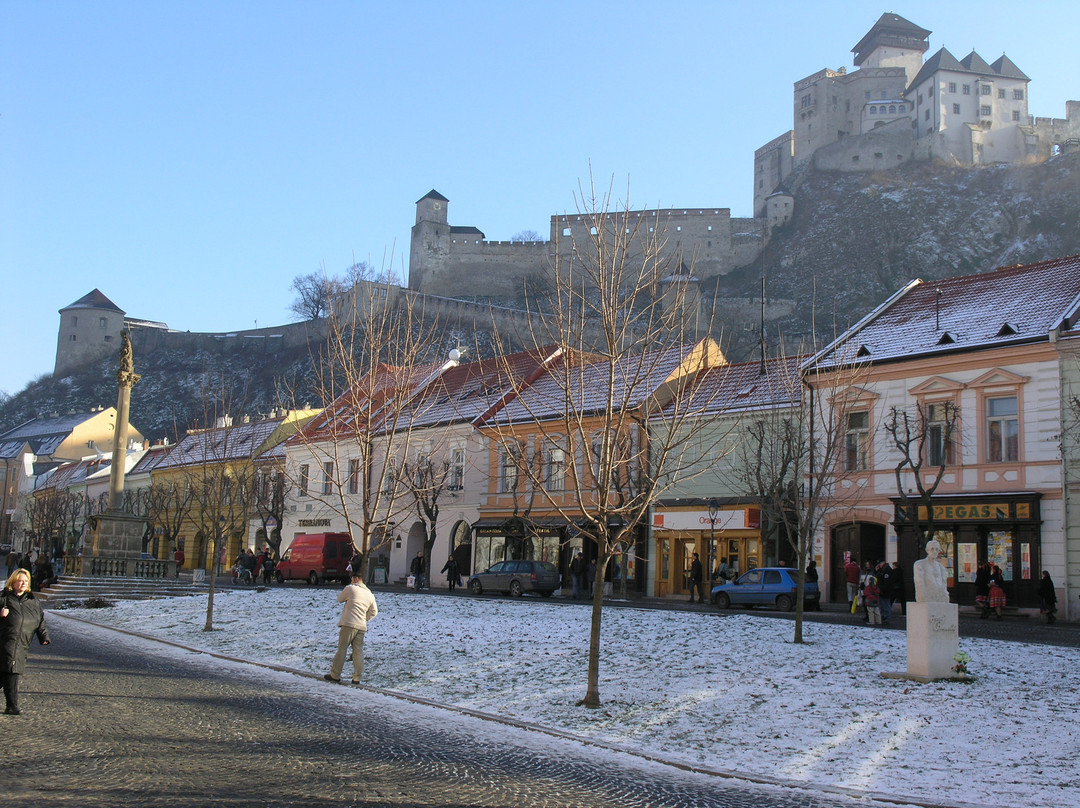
[{"x": 358, "y": 610}]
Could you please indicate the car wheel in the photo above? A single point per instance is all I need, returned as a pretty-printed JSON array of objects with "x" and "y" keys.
[
  {"x": 475, "y": 586},
  {"x": 722, "y": 601},
  {"x": 313, "y": 578},
  {"x": 279, "y": 577},
  {"x": 515, "y": 589},
  {"x": 784, "y": 603}
]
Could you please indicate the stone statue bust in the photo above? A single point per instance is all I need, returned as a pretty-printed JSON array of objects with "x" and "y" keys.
[{"x": 931, "y": 577}]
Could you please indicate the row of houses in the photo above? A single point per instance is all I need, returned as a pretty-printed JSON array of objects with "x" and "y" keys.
[{"x": 951, "y": 410}]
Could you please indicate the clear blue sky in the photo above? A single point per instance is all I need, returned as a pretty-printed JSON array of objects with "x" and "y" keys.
[{"x": 191, "y": 158}]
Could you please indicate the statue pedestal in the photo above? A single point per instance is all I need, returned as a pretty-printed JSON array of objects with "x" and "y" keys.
[
  {"x": 932, "y": 640},
  {"x": 117, "y": 535}
]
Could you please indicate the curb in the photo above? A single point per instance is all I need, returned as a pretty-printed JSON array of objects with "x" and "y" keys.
[{"x": 727, "y": 774}]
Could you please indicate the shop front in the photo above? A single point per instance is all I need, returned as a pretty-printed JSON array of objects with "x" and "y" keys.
[
  {"x": 516, "y": 538},
  {"x": 728, "y": 533},
  {"x": 1004, "y": 530}
]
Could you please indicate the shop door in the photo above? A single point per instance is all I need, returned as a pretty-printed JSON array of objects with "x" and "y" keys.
[{"x": 684, "y": 553}]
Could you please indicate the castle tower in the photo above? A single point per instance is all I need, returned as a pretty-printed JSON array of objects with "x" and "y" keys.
[
  {"x": 893, "y": 42},
  {"x": 89, "y": 330},
  {"x": 429, "y": 248}
]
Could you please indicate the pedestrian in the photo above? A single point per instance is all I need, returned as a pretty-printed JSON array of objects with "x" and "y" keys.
[
  {"x": 451, "y": 570},
  {"x": 899, "y": 594},
  {"x": 577, "y": 574},
  {"x": 851, "y": 578},
  {"x": 867, "y": 574},
  {"x": 872, "y": 598},
  {"x": 268, "y": 566},
  {"x": 43, "y": 575},
  {"x": 359, "y": 609},
  {"x": 811, "y": 572},
  {"x": 982, "y": 590},
  {"x": 178, "y": 557},
  {"x": 997, "y": 597},
  {"x": 20, "y": 619},
  {"x": 417, "y": 570},
  {"x": 695, "y": 580},
  {"x": 723, "y": 572},
  {"x": 58, "y": 562},
  {"x": 885, "y": 584},
  {"x": 1047, "y": 597}
]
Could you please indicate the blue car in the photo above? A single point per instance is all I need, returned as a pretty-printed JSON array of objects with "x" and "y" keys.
[{"x": 766, "y": 586}]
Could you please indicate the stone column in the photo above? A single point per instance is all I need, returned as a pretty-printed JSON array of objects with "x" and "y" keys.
[{"x": 126, "y": 378}]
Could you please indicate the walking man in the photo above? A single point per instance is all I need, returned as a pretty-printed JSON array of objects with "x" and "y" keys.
[
  {"x": 695, "y": 580},
  {"x": 358, "y": 610},
  {"x": 577, "y": 574}
]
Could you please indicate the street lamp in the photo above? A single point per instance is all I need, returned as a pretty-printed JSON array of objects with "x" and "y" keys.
[{"x": 714, "y": 511}]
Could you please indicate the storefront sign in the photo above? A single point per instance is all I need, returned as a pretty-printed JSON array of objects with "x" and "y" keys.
[
  {"x": 699, "y": 520},
  {"x": 978, "y": 511},
  {"x": 313, "y": 522}
]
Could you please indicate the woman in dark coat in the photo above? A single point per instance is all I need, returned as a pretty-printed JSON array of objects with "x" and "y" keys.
[
  {"x": 1047, "y": 597},
  {"x": 20, "y": 619}
]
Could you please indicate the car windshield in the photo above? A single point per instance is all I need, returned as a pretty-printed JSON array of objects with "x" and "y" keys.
[
  {"x": 752, "y": 577},
  {"x": 545, "y": 566}
]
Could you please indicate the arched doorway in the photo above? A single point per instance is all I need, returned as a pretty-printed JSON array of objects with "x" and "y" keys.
[
  {"x": 461, "y": 542},
  {"x": 414, "y": 543},
  {"x": 863, "y": 541}
]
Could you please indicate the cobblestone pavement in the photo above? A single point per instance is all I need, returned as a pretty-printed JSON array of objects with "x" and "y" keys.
[{"x": 110, "y": 721}]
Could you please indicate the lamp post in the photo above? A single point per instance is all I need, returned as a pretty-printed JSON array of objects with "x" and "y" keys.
[{"x": 714, "y": 511}]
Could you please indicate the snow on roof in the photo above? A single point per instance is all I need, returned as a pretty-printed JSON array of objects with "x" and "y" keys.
[
  {"x": 741, "y": 387},
  {"x": 1007, "y": 306},
  {"x": 220, "y": 444}
]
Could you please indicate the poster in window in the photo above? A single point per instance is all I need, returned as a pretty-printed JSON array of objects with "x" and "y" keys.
[
  {"x": 1025, "y": 561},
  {"x": 967, "y": 562},
  {"x": 999, "y": 551}
]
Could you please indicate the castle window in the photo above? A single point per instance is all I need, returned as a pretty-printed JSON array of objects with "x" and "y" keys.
[
  {"x": 926, "y": 115},
  {"x": 592, "y": 231},
  {"x": 892, "y": 109},
  {"x": 952, "y": 86},
  {"x": 804, "y": 102},
  {"x": 878, "y": 155},
  {"x": 930, "y": 91},
  {"x": 566, "y": 231},
  {"x": 103, "y": 322},
  {"x": 985, "y": 110},
  {"x": 920, "y": 98},
  {"x": 873, "y": 110},
  {"x": 1001, "y": 92},
  {"x": 73, "y": 338},
  {"x": 855, "y": 158},
  {"x": 956, "y": 109},
  {"x": 903, "y": 108},
  {"x": 867, "y": 95},
  {"x": 1016, "y": 114},
  {"x": 967, "y": 89},
  {"x": 1018, "y": 95},
  {"x": 884, "y": 94},
  {"x": 74, "y": 322},
  {"x": 710, "y": 228},
  {"x": 984, "y": 89},
  {"x": 678, "y": 229}
]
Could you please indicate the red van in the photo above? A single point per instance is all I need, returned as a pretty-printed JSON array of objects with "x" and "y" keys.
[{"x": 316, "y": 557}]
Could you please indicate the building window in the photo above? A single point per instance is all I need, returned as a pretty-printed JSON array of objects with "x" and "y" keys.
[
  {"x": 1016, "y": 114},
  {"x": 354, "y": 476},
  {"x": 103, "y": 322},
  {"x": 1018, "y": 95},
  {"x": 940, "y": 429},
  {"x": 930, "y": 91},
  {"x": 302, "y": 483},
  {"x": 956, "y": 109},
  {"x": 952, "y": 86},
  {"x": 867, "y": 95},
  {"x": 966, "y": 89},
  {"x": 857, "y": 441},
  {"x": 926, "y": 115},
  {"x": 903, "y": 108},
  {"x": 456, "y": 479},
  {"x": 1001, "y": 92},
  {"x": 892, "y": 109},
  {"x": 884, "y": 94},
  {"x": 804, "y": 102},
  {"x": 509, "y": 460},
  {"x": 73, "y": 338},
  {"x": 985, "y": 110},
  {"x": 984, "y": 89},
  {"x": 328, "y": 477},
  {"x": 1002, "y": 430},
  {"x": 556, "y": 469},
  {"x": 873, "y": 110}
]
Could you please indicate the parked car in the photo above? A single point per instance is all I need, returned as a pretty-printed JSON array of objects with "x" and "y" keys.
[
  {"x": 316, "y": 557},
  {"x": 766, "y": 586},
  {"x": 517, "y": 578}
]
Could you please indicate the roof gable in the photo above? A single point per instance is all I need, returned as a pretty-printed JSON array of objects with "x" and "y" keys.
[
  {"x": 94, "y": 300},
  {"x": 1005, "y": 67}
]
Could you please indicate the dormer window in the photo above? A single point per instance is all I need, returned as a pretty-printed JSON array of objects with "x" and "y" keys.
[
  {"x": 947, "y": 338},
  {"x": 862, "y": 352},
  {"x": 1008, "y": 330}
]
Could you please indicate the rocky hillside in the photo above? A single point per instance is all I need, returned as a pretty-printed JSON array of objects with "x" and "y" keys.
[
  {"x": 853, "y": 241},
  {"x": 857, "y": 238}
]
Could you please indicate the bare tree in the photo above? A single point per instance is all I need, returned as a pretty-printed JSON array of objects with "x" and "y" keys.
[
  {"x": 426, "y": 480},
  {"x": 168, "y": 505},
  {"x": 924, "y": 435},
  {"x": 314, "y": 295},
  {"x": 271, "y": 491},
  {"x": 527, "y": 236},
  {"x": 372, "y": 365},
  {"x": 611, "y": 397}
]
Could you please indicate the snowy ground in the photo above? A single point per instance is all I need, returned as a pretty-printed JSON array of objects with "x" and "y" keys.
[{"x": 727, "y": 692}]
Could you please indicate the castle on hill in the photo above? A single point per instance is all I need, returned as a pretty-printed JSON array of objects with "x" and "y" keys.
[{"x": 896, "y": 106}]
